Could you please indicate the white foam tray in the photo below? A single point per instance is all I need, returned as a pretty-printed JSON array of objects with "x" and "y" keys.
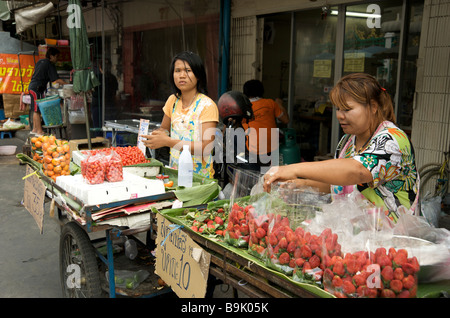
[{"x": 131, "y": 187}]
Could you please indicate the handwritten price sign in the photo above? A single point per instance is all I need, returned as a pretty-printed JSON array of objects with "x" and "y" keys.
[
  {"x": 34, "y": 197},
  {"x": 180, "y": 262}
]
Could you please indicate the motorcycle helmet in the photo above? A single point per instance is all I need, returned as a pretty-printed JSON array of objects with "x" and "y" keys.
[{"x": 234, "y": 105}]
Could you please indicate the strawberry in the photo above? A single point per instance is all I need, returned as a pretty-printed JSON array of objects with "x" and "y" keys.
[
  {"x": 220, "y": 210},
  {"x": 380, "y": 251},
  {"x": 219, "y": 232},
  {"x": 351, "y": 266},
  {"x": 411, "y": 266},
  {"x": 291, "y": 247},
  {"x": 299, "y": 232},
  {"x": 260, "y": 233},
  {"x": 284, "y": 258},
  {"x": 284, "y": 222},
  {"x": 326, "y": 260},
  {"x": 265, "y": 226},
  {"x": 306, "y": 266},
  {"x": 408, "y": 281},
  {"x": 391, "y": 253},
  {"x": 306, "y": 251},
  {"x": 282, "y": 243},
  {"x": 292, "y": 263},
  {"x": 387, "y": 293},
  {"x": 383, "y": 260},
  {"x": 273, "y": 239},
  {"x": 218, "y": 220},
  {"x": 260, "y": 249},
  {"x": 359, "y": 280},
  {"x": 404, "y": 294},
  {"x": 194, "y": 228},
  {"x": 387, "y": 273},
  {"x": 338, "y": 268},
  {"x": 337, "y": 281},
  {"x": 244, "y": 229},
  {"x": 314, "y": 261},
  {"x": 399, "y": 259},
  {"x": 396, "y": 285},
  {"x": 290, "y": 236},
  {"x": 348, "y": 288},
  {"x": 299, "y": 262},
  {"x": 253, "y": 238},
  {"x": 398, "y": 273}
]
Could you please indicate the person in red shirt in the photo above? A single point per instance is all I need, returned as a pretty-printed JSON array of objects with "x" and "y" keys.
[{"x": 266, "y": 113}]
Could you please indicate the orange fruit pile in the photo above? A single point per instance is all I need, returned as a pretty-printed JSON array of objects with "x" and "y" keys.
[{"x": 53, "y": 153}]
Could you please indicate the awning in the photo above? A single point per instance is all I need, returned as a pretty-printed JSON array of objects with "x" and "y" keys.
[{"x": 26, "y": 13}]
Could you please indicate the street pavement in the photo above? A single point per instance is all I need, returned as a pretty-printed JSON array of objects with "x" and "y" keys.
[{"x": 29, "y": 261}]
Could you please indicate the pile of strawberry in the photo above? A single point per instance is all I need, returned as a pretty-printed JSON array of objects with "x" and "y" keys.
[
  {"x": 237, "y": 232},
  {"x": 386, "y": 274},
  {"x": 97, "y": 168},
  {"x": 298, "y": 252},
  {"x": 209, "y": 222},
  {"x": 130, "y": 155}
]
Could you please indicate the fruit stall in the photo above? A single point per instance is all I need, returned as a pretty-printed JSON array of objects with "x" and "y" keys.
[
  {"x": 103, "y": 198},
  {"x": 289, "y": 243}
]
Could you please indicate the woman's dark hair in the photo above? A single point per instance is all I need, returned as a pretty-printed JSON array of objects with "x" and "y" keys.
[
  {"x": 253, "y": 88},
  {"x": 197, "y": 67},
  {"x": 364, "y": 89},
  {"x": 51, "y": 51}
]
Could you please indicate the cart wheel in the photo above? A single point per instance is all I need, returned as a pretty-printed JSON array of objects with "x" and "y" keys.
[{"x": 79, "y": 271}]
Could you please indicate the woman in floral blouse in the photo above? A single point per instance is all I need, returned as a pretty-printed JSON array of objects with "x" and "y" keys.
[{"x": 374, "y": 157}]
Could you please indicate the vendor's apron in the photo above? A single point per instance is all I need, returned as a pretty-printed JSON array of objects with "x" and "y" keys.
[{"x": 188, "y": 127}]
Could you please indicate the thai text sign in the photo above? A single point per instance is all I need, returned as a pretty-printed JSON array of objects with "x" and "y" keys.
[
  {"x": 14, "y": 76},
  {"x": 180, "y": 262}
]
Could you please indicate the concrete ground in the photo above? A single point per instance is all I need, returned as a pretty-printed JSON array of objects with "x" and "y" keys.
[{"x": 29, "y": 262}]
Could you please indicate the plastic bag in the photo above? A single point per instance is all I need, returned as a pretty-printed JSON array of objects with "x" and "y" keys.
[
  {"x": 94, "y": 169},
  {"x": 237, "y": 230},
  {"x": 431, "y": 209},
  {"x": 385, "y": 273},
  {"x": 113, "y": 167},
  {"x": 278, "y": 237},
  {"x": 9, "y": 124},
  {"x": 128, "y": 279},
  {"x": 56, "y": 157}
]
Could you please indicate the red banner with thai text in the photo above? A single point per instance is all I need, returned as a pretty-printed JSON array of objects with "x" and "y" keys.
[{"x": 15, "y": 74}]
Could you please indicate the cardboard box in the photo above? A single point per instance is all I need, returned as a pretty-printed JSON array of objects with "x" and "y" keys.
[
  {"x": 11, "y": 104},
  {"x": 83, "y": 144}
]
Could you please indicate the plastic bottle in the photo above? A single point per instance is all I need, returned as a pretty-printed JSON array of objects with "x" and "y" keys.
[
  {"x": 185, "y": 168},
  {"x": 130, "y": 249}
]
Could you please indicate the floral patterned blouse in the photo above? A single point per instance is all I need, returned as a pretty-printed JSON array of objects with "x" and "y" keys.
[{"x": 390, "y": 158}]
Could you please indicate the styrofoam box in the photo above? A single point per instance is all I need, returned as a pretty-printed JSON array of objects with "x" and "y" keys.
[
  {"x": 77, "y": 157},
  {"x": 130, "y": 187}
]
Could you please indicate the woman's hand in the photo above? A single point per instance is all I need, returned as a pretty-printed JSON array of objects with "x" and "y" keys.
[
  {"x": 157, "y": 139},
  {"x": 280, "y": 173}
]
